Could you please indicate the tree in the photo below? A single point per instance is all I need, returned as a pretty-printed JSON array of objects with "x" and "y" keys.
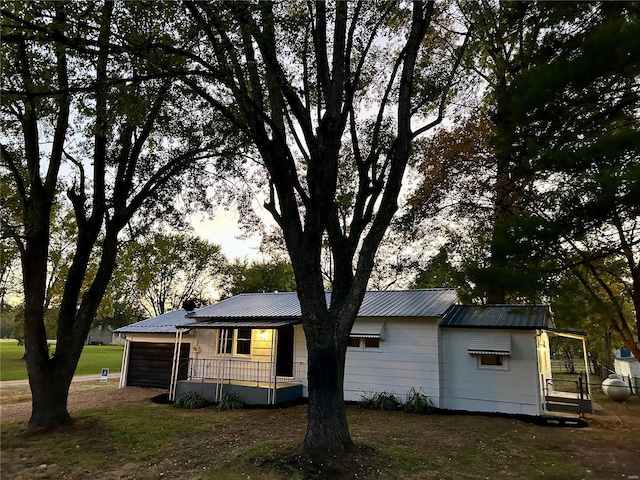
[
  {"x": 261, "y": 276},
  {"x": 478, "y": 170},
  {"x": 562, "y": 130},
  {"x": 118, "y": 138},
  {"x": 322, "y": 90},
  {"x": 588, "y": 161},
  {"x": 165, "y": 270},
  {"x": 440, "y": 273}
]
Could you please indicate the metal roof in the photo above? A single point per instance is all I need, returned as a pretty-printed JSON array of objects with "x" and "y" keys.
[
  {"x": 242, "y": 323},
  {"x": 432, "y": 302},
  {"x": 165, "y": 323},
  {"x": 497, "y": 316}
]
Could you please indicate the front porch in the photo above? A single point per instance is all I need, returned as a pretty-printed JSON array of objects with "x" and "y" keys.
[
  {"x": 564, "y": 396},
  {"x": 567, "y": 396},
  {"x": 256, "y": 382}
]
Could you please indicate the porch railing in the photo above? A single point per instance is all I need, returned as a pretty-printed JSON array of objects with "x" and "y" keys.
[
  {"x": 227, "y": 370},
  {"x": 568, "y": 396},
  {"x": 566, "y": 387}
]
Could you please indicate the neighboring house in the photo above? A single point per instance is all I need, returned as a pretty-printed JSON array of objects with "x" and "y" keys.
[
  {"x": 100, "y": 335},
  {"x": 486, "y": 359},
  {"x": 628, "y": 367}
]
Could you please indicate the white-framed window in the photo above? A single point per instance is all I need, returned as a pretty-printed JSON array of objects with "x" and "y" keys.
[
  {"x": 238, "y": 341},
  {"x": 492, "y": 361},
  {"x": 364, "y": 343}
]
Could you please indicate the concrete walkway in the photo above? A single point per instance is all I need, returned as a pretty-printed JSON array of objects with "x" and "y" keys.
[{"x": 78, "y": 378}]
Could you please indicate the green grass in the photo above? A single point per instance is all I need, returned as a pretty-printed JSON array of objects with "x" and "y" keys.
[
  {"x": 144, "y": 440},
  {"x": 94, "y": 358}
]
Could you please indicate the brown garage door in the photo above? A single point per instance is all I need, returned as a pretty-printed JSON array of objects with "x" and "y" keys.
[{"x": 150, "y": 364}]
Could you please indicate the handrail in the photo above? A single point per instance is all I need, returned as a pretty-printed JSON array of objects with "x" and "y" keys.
[{"x": 232, "y": 369}]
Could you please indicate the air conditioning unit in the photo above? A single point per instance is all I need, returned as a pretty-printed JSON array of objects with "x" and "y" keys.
[{"x": 195, "y": 348}]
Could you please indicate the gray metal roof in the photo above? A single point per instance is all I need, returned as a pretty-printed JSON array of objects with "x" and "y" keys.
[
  {"x": 242, "y": 323},
  {"x": 165, "y": 323},
  {"x": 497, "y": 316},
  {"x": 388, "y": 303},
  {"x": 431, "y": 302}
]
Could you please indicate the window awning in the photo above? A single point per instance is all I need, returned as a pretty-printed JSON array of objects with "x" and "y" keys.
[
  {"x": 257, "y": 323},
  {"x": 363, "y": 329},
  {"x": 490, "y": 344}
]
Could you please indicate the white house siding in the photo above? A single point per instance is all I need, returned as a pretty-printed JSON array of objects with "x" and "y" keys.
[
  {"x": 243, "y": 367},
  {"x": 407, "y": 358},
  {"x": 469, "y": 388},
  {"x": 260, "y": 349},
  {"x": 627, "y": 367}
]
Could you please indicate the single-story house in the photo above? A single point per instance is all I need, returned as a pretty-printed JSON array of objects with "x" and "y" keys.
[
  {"x": 469, "y": 358},
  {"x": 100, "y": 334}
]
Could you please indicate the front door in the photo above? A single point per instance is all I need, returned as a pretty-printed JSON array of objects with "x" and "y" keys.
[{"x": 284, "y": 352}]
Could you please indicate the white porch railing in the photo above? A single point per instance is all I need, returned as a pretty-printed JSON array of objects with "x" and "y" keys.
[{"x": 227, "y": 370}]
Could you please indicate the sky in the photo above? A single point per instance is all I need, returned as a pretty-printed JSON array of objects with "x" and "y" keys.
[{"x": 224, "y": 231}]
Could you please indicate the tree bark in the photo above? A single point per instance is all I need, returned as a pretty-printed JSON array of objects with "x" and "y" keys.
[
  {"x": 50, "y": 392},
  {"x": 327, "y": 426}
]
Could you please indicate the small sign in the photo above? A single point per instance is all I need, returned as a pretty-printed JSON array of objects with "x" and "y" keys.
[{"x": 104, "y": 375}]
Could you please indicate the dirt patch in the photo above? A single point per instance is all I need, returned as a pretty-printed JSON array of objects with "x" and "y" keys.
[{"x": 84, "y": 397}]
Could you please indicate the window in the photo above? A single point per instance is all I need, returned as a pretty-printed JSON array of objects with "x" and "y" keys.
[
  {"x": 221, "y": 345},
  {"x": 492, "y": 361},
  {"x": 371, "y": 343},
  {"x": 238, "y": 341},
  {"x": 243, "y": 341},
  {"x": 360, "y": 343},
  {"x": 495, "y": 360}
]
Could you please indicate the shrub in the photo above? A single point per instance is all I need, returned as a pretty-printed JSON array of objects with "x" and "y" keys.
[
  {"x": 380, "y": 401},
  {"x": 417, "y": 402},
  {"x": 231, "y": 401},
  {"x": 191, "y": 400}
]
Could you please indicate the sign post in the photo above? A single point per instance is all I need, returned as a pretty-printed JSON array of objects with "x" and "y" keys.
[{"x": 104, "y": 375}]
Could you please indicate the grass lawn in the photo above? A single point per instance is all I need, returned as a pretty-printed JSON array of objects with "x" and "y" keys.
[
  {"x": 93, "y": 359},
  {"x": 146, "y": 440}
]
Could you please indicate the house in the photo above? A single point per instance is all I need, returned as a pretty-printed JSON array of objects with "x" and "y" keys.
[
  {"x": 485, "y": 359},
  {"x": 100, "y": 334}
]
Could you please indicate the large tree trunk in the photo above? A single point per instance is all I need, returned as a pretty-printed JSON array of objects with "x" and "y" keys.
[
  {"x": 50, "y": 392},
  {"x": 327, "y": 427}
]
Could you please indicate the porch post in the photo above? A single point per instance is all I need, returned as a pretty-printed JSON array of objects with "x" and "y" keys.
[
  {"x": 176, "y": 365},
  {"x": 272, "y": 376},
  {"x": 586, "y": 365},
  {"x": 125, "y": 364},
  {"x": 222, "y": 337}
]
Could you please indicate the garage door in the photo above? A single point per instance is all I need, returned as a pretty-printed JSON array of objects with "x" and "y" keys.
[{"x": 150, "y": 364}]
